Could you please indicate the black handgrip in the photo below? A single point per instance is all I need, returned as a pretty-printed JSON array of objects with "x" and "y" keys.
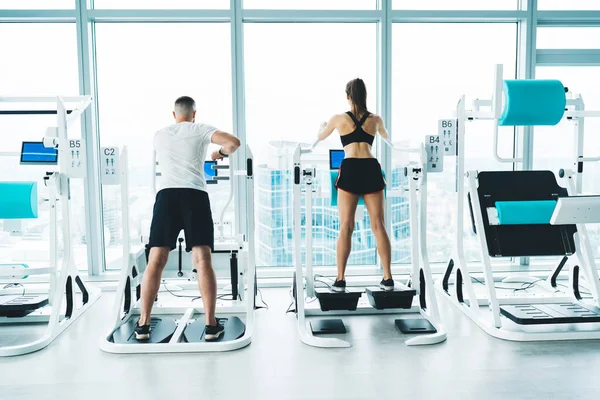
[
  {"x": 233, "y": 269},
  {"x": 249, "y": 167},
  {"x": 180, "y": 266},
  {"x": 297, "y": 175}
]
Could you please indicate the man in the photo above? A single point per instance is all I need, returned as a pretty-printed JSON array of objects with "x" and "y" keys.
[{"x": 182, "y": 203}]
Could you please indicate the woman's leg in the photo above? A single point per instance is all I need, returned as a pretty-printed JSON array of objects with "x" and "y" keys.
[
  {"x": 374, "y": 203},
  {"x": 347, "y": 209}
]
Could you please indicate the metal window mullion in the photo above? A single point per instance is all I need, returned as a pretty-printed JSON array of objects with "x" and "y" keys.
[
  {"x": 24, "y": 16},
  {"x": 384, "y": 74},
  {"x": 568, "y": 57},
  {"x": 239, "y": 110},
  {"x": 568, "y": 18},
  {"x": 526, "y": 51},
  {"x": 92, "y": 187}
]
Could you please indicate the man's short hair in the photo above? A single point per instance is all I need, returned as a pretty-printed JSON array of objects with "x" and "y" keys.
[{"x": 185, "y": 105}]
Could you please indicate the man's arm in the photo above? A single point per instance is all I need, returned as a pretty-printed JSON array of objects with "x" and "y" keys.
[{"x": 229, "y": 144}]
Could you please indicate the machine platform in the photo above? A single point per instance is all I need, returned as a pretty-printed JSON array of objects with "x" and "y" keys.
[
  {"x": 414, "y": 325},
  {"x": 234, "y": 329},
  {"x": 559, "y": 313},
  {"x": 161, "y": 330},
  {"x": 327, "y": 326},
  {"x": 329, "y": 300},
  {"x": 16, "y": 306},
  {"x": 400, "y": 297}
]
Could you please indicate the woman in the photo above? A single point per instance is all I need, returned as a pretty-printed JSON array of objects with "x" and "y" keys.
[{"x": 360, "y": 175}]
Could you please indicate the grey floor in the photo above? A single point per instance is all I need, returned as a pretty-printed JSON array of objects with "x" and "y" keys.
[{"x": 470, "y": 365}]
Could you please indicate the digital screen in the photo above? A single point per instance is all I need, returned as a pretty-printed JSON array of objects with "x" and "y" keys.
[
  {"x": 36, "y": 153},
  {"x": 335, "y": 158},
  {"x": 209, "y": 172}
]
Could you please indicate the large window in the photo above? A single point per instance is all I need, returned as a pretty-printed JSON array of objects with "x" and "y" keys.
[
  {"x": 161, "y": 4},
  {"x": 295, "y": 79},
  {"x": 455, "y": 4},
  {"x": 554, "y": 147},
  {"x": 568, "y": 5},
  {"x": 312, "y": 4},
  {"x": 568, "y": 38},
  {"x": 429, "y": 76},
  {"x": 142, "y": 69},
  {"x": 29, "y": 73},
  {"x": 36, "y": 4}
]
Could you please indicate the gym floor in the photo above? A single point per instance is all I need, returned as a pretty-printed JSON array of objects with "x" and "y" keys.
[{"x": 469, "y": 365}]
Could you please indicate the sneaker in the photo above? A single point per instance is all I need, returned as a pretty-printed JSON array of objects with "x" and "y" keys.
[
  {"x": 214, "y": 332},
  {"x": 387, "y": 284},
  {"x": 339, "y": 286},
  {"x": 142, "y": 332}
]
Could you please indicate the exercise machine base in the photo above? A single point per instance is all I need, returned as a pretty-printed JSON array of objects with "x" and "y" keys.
[
  {"x": 234, "y": 329},
  {"x": 16, "y": 306},
  {"x": 327, "y": 326},
  {"x": 414, "y": 325},
  {"x": 400, "y": 297},
  {"x": 337, "y": 300},
  {"x": 161, "y": 330},
  {"x": 559, "y": 313}
]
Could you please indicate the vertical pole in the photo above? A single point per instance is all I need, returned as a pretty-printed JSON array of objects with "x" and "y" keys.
[
  {"x": 579, "y": 146},
  {"x": 239, "y": 112},
  {"x": 89, "y": 132},
  {"x": 526, "y": 60},
  {"x": 125, "y": 205},
  {"x": 384, "y": 74},
  {"x": 308, "y": 198}
]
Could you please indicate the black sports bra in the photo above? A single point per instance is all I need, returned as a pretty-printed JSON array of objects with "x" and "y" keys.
[{"x": 359, "y": 135}]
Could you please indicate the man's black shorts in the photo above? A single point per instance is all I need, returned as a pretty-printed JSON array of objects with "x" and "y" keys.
[{"x": 181, "y": 208}]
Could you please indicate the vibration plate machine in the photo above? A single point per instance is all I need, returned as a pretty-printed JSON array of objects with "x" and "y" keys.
[
  {"x": 428, "y": 326},
  {"x": 177, "y": 325}
]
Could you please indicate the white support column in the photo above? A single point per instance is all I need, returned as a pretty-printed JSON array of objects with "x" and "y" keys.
[
  {"x": 485, "y": 258},
  {"x": 89, "y": 132},
  {"x": 239, "y": 111}
]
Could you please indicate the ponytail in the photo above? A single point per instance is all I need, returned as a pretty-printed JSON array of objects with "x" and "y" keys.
[{"x": 357, "y": 92}]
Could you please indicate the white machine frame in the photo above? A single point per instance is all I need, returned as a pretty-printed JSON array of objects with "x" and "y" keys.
[
  {"x": 490, "y": 320},
  {"x": 68, "y": 275},
  {"x": 126, "y": 304},
  {"x": 417, "y": 178}
]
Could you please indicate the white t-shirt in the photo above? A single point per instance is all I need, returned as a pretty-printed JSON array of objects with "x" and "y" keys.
[{"x": 180, "y": 152}]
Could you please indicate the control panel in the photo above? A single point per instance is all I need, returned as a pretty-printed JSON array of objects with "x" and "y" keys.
[
  {"x": 75, "y": 155},
  {"x": 448, "y": 133},
  {"x": 109, "y": 164},
  {"x": 435, "y": 153}
]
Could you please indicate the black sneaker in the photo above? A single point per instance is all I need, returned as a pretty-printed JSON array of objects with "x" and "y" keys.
[
  {"x": 214, "y": 332},
  {"x": 387, "y": 284},
  {"x": 339, "y": 286},
  {"x": 142, "y": 332}
]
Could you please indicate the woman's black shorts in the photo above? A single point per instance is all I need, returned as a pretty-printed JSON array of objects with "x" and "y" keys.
[{"x": 360, "y": 176}]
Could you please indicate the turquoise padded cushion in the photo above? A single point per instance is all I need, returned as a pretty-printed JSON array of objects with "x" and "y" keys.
[
  {"x": 18, "y": 200},
  {"x": 333, "y": 175},
  {"x": 534, "y": 212},
  {"x": 531, "y": 102}
]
